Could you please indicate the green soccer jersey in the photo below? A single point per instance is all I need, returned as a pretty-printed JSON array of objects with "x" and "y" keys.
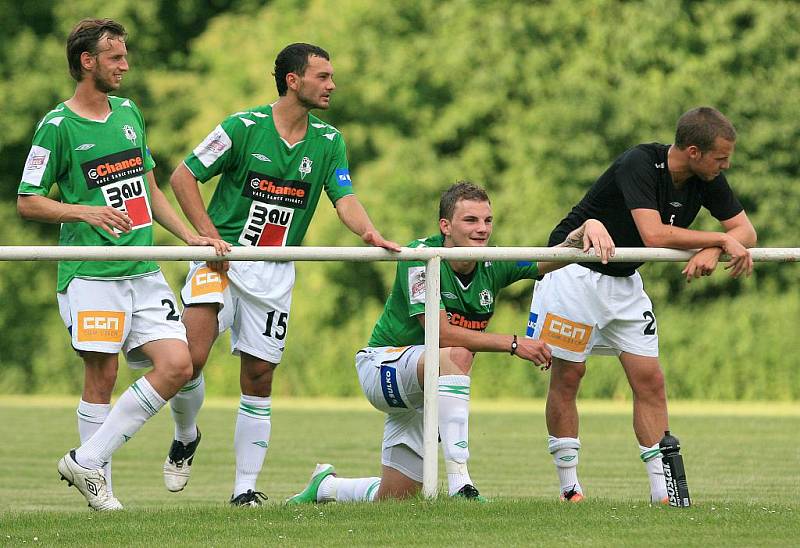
[
  {"x": 468, "y": 304},
  {"x": 269, "y": 190},
  {"x": 98, "y": 163}
]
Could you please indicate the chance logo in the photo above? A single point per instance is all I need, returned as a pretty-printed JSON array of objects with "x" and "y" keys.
[
  {"x": 279, "y": 192},
  {"x": 113, "y": 167},
  {"x": 207, "y": 281},
  {"x": 566, "y": 334},
  {"x": 100, "y": 326}
]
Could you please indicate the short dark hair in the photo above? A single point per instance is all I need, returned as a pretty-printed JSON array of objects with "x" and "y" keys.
[
  {"x": 294, "y": 58},
  {"x": 701, "y": 126},
  {"x": 85, "y": 36},
  {"x": 462, "y": 190}
]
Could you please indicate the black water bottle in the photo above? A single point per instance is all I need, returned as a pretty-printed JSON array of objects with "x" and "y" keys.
[{"x": 674, "y": 472}]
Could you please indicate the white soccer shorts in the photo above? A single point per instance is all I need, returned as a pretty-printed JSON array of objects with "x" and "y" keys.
[
  {"x": 388, "y": 377},
  {"x": 256, "y": 297},
  {"x": 578, "y": 312},
  {"x": 112, "y": 315}
]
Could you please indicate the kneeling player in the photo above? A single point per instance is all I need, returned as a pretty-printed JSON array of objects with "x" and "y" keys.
[{"x": 391, "y": 368}]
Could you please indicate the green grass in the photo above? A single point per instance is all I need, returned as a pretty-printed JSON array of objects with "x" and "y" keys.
[{"x": 742, "y": 462}]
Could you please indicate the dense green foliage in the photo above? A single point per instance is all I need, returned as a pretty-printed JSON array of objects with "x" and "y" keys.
[
  {"x": 531, "y": 100},
  {"x": 738, "y": 501}
]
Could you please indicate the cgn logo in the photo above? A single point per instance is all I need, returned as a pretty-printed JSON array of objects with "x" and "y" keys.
[
  {"x": 100, "y": 326},
  {"x": 207, "y": 281},
  {"x": 566, "y": 334}
]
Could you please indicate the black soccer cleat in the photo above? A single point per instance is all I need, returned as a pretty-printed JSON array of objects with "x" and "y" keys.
[
  {"x": 248, "y": 498},
  {"x": 469, "y": 492},
  {"x": 178, "y": 465}
]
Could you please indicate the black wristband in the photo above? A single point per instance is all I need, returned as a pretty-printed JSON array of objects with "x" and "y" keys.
[{"x": 514, "y": 346}]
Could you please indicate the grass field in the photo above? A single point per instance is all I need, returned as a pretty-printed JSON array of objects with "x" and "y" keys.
[{"x": 742, "y": 465}]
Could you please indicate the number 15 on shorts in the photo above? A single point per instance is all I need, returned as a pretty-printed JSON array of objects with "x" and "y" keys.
[{"x": 276, "y": 327}]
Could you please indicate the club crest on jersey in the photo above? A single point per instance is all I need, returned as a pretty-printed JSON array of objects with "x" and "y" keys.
[
  {"x": 485, "y": 297},
  {"x": 130, "y": 133},
  {"x": 305, "y": 167}
]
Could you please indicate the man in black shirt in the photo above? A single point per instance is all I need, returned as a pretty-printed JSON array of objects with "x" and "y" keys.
[{"x": 647, "y": 198}]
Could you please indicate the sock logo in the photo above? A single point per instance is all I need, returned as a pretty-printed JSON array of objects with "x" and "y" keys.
[
  {"x": 567, "y": 458},
  {"x": 261, "y": 443},
  {"x": 462, "y": 444}
]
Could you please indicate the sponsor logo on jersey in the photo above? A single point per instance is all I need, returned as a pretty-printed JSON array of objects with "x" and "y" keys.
[
  {"x": 213, "y": 146},
  {"x": 85, "y": 146},
  {"x": 305, "y": 167},
  {"x": 416, "y": 284},
  {"x": 266, "y": 225},
  {"x": 486, "y": 298},
  {"x": 207, "y": 281},
  {"x": 470, "y": 320},
  {"x": 566, "y": 334},
  {"x": 260, "y": 157},
  {"x": 130, "y": 133},
  {"x": 100, "y": 326},
  {"x": 270, "y": 190},
  {"x": 113, "y": 167},
  {"x": 35, "y": 165},
  {"x": 120, "y": 177},
  {"x": 343, "y": 177}
]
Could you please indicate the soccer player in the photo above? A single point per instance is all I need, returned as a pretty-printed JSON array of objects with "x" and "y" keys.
[
  {"x": 274, "y": 161},
  {"x": 647, "y": 198},
  {"x": 391, "y": 367},
  {"x": 93, "y": 146}
]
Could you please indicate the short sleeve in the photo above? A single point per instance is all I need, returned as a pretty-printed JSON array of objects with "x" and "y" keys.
[
  {"x": 337, "y": 182},
  {"x": 211, "y": 156},
  {"x": 44, "y": 165},
  {"x": 411, "y": 279},
  {"x": 719, "y": 199},
  {"x": 637, "y": 180}
]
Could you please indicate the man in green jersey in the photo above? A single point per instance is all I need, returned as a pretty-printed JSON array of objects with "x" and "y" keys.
[
  {"x": 391, "y": 368},
  {"x": 274, "y": 161},
  {"x": 93, "y": 147}
]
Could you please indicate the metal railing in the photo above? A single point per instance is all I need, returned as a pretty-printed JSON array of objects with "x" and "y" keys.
[{"x": 432, "y": 258}]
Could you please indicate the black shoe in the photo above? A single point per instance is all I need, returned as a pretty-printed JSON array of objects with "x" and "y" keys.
[
  {"x": 178, "y": 465},
  {"x": 469, "y": 492},
  {"x": 249, "y": 498}
]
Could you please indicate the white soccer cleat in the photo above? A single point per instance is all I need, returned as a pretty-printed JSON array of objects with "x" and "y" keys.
[
  {"x": 90, "y": 483},
  {"x": 178, "y": 466}
]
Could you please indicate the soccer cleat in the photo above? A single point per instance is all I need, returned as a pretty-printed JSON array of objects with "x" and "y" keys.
[
  {"x": 309, "y": 494},
  {"x": 248, "y": 498},
  {"x": 572, "y": 495},
  {"x": 178, "y": 465},
  {"x": 90, "y": 483},
  {"x": 469, "y": 492}
]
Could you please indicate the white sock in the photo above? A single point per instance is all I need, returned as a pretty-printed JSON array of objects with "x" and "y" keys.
[
  {"x": 250, "y": 442},
  {"x": 348, "y": 489},
  {"x": 565, "y": 457},
  {"x": 651, "y": 456},
  {"x": 90, "y": 417},
  {"x": 185, "y": 405},
  {"x": 454, "y": 429},
  {"x": 136, "y": 405}
]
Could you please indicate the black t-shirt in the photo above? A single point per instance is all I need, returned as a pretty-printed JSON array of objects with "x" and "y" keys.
[{"x": 640, "y": 178}]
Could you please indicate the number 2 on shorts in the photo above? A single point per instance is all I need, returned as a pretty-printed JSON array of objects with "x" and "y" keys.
[{"x": 650, "y": 328}]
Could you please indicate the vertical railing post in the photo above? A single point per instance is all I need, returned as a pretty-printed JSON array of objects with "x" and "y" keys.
[{"x": 430, "y": 453}]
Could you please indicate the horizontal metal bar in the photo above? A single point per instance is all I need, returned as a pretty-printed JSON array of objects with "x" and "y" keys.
[{"x": 361, "y": 254}]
